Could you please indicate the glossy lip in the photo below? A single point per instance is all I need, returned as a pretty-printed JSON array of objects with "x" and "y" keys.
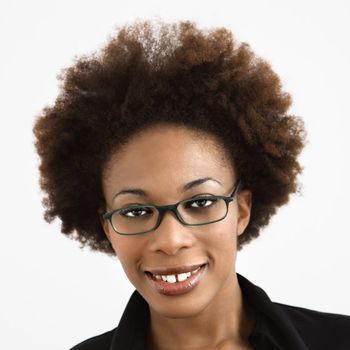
[
  {"x": 174, "y": 270},
  {"x": 177, "y": 287}
]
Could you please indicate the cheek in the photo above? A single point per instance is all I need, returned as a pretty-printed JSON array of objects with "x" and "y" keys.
[
  {"x": 129, "y": 251},
  {"x": 225, "y": 231},
  {"x": 221, "y": 239}
]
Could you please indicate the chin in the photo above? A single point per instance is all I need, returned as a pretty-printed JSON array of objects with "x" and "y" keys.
[{"x": 180, "y": 306}]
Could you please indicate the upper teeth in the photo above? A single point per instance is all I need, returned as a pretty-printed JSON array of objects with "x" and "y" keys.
[{"x": 173, "y": 278}]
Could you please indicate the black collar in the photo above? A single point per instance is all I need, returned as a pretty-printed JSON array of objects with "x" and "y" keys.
[{"x": 273, "y": 329}]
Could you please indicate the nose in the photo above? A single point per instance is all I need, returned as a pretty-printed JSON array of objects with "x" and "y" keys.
[{"x": 170, "y": 236}]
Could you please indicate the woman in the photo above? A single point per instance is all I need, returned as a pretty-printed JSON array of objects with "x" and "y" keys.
[{"x": 171, "y": 149}]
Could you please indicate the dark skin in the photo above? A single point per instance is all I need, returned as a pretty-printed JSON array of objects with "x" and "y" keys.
[{"x": 214, "y": 315}]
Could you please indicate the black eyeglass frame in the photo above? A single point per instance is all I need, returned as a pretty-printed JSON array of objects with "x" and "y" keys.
[{"x": 162, "y": 209}]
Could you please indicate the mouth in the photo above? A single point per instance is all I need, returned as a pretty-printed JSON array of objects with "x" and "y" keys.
[
  {"x": 181, "y": 282},
  {"x": 174, "y": 270}
]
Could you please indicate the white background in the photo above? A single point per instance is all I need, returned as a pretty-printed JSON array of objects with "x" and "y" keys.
[{"x": 54, "y": 295}]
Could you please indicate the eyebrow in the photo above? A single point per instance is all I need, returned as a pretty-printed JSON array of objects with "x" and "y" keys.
[{"x": 186, "y": 187}]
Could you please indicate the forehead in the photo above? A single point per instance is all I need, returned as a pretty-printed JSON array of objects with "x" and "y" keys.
[{"x": 167, "y": 157}]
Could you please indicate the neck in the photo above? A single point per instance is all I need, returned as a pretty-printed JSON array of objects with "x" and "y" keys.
[{"x": 227, "y": 319}]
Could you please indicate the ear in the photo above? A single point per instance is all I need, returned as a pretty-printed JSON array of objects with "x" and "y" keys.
[{"x": 244, "y": 200}]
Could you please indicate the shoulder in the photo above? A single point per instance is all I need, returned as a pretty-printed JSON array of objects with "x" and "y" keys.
[
  {"x": 319, "y": 330},
  {"x": 101, "y": 342}
]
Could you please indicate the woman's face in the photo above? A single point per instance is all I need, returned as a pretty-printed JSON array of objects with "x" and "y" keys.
[{"x": 160, "y": 161}]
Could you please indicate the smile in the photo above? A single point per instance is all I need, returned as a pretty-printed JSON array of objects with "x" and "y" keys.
[
  {"x": 176, "y": 278},
  {"x": 174, "y": 284}
]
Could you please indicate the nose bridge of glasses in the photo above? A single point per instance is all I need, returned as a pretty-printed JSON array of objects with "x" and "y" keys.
[{"x": 163, "y": 209}]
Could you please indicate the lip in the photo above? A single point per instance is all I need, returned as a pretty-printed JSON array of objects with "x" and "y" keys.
[
  {"x": 177, "y": 287},
  {"x": 174, "y": 270}
]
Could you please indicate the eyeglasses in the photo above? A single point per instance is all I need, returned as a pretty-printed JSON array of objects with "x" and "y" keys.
[{"x": 140, "y": 219}]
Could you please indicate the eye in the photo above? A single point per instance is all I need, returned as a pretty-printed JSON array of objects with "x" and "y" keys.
[
  {"x": 135, "y": 212},
  {"x": 200, "y": 203}
]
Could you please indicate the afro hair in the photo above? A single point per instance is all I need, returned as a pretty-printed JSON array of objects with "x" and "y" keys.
[{"x": 154, "y": 72}]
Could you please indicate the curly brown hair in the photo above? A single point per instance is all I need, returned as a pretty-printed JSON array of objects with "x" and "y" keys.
[{"x": 151, "y": 73}]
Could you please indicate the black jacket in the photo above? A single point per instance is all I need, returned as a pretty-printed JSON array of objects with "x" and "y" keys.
[{"x": 278, "y": 326}]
